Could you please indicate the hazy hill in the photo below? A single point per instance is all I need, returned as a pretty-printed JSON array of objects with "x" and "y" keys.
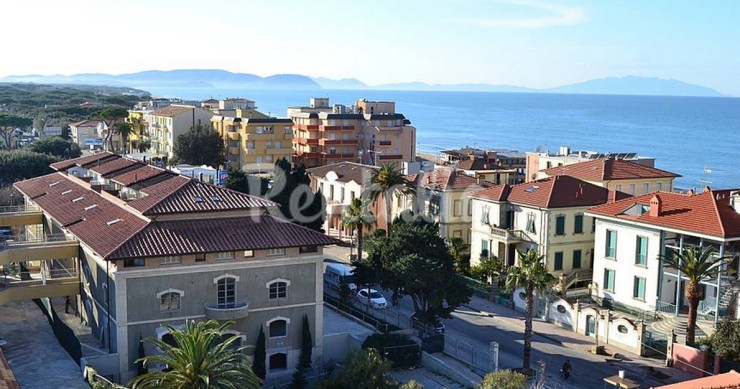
[{"x": 632, "y": 85}]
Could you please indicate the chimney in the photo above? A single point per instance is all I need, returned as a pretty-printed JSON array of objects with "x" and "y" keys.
[
  {"x": 706, "y": 190},
  {"x": 690, "y": 192},
  {"x": 612, "y": 196},
  {"x": 655, "y": 206}
]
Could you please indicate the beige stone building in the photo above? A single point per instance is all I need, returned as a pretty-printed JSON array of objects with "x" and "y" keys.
[
  {"x": 254, "y": 141},
  {"x": 370, "y": 132},
  {"x": 164, "y": 125}
]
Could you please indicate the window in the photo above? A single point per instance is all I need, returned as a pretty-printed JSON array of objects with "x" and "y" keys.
[
  {"x": 577, "y": 259},
  {"x": 276, "y": 251},
  {"x": 227, "y": 292},
  {"x": 631, "y": 189},
  {"x": 530, "y": 222},
  {"x": 278, "y": 289},
  {"x": 484, "y": 248},
  {"x": 618, "y": 188},
  {"x": 560, "y": 225},
  {"x": 578, "y": 224},
  {"x": 611, "y": 244},
  {"x": 609, "y": 280},
  {"x": 134, "y": 262},
  {"x": 638, "y": 289},
  {"x": 200, "y": 257},
  {"x": 593, "y": 224},
  {"x": 250, "y": 145},
  {"x": 470, "y": 207},
  {"x": 658, "y": 186},
  {"x": 278, "y": 328},
  {"x": 308, "y": 249},
  {"x": 278, "y": 361},
  {"x": 225, "y": 255},
  {"x": 641, "y": 251},
  {"x": 484, "y": 215},
  {"x": 645, "y": 188},
  {"x": 248, "y": 253},
  {"x": 458, "y": 209},
  {"x": 457, "y": 234},
  {"x": 169, "y": 300},
  {"x": 559, "y": 260},
  {"x": 170, "y": 260}
]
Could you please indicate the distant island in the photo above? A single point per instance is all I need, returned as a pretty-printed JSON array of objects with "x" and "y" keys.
[{"x": 215, "y": 78}]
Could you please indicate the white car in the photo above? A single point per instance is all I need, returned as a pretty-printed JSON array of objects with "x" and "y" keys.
[{"x": 371, "y": 297}]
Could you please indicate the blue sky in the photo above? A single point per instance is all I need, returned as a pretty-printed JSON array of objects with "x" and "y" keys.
[{"x": 532, "y": 43}]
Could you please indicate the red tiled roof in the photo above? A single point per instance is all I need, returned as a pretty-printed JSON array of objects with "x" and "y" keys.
[
  {"x": 85, "y": 123},
  {"x": 478, "y": 164},
  {"x": 609, "y": 169},
  {"x": 113, "y": 165},
  {"x": 142, "y": 173},
  {"x": 156, "y": 192},
  {"x": 179, "y": 237},
  {"x": 212, "y": 198},
  {"x": 444, "y": 179},
  {"x": 171, "y": 110},
  {"x": 729, "y": 380},
  {"x": 89, "y": 217},
  {"x": 552, "y": 192},
  {"x": 346, "y": 171},
  {"x": 84, "y": 160},
  {"x": 704, "y": 213}
]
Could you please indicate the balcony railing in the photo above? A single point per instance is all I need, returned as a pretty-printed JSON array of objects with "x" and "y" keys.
[
  {"x": 510, "y": 235},
  {"x": 17, "y": 240},
  {"x": 231, "y": 311}
]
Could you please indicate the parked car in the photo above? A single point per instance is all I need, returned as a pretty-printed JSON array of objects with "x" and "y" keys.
[
  {"x": 437, "y": 327},
  {"x": 372, "y": 297}
]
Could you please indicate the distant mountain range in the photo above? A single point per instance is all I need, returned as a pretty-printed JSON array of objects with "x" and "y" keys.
[{"x": 214, "y": 78}]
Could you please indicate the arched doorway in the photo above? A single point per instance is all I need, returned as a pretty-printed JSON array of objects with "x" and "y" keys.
[{"x": 590, "y": 325}]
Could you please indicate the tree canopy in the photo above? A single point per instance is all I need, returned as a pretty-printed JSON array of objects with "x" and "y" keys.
[
  {"x": 251, "y": 184},
  {"x": 415, "y": 261},
  {"x": 363, "y": 369},
  {"x": 56, "y": 146},
  {"x": 504, "y": 379},
  {"x": 22, "y": 164},
  {"x": 8, "y": 124},
  {"x": 292, "y": 191},
  {"x": 201, "y": 145},
  {"x": 726, "y": 339},
  {"x": 384, "y": 184}
]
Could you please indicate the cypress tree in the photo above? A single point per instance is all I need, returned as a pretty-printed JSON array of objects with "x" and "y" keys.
[{"x": 258, "y": 363}]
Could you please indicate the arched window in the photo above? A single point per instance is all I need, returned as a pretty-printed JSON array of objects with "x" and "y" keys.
[
  {"x": 278, "y": 361},
  {"x": 226, "y": 286},
  {"x": 278, "y": 327},
  {"x": 170, "y": 300},
  {"x": 278, "y": 289}
]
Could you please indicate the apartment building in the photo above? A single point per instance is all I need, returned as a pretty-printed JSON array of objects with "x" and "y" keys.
[
  {"x": 165, "y": 124},
  {"x": 88, "y": 134},
  {"x": 491, "y": 172},
  {"x": 443, "y": 196},
  {"x": 150, "y": 247},
  {"x": 538, "y": 161},
  {"x": 618, "y": 174},
  {"x": 633, "y": 234},
  {"x": 255, "y": 141},
  {"x": 546, "y": 215},
  {"x": 340, "y": 183},
  {"x": 370, "y": 132}
]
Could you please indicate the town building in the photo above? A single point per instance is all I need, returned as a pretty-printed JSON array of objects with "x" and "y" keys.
[
  {"x": 546, "y": 215},
  {"x": 499, "y": 166},
  {"x": 370, "y": 132},
  {"x": 88, "y": 134},
  {"x": 618, "y": 174},
  {"x": 538, "y": 161},
  {"x": 340, "y": 183},
  {"x": 164, "y": 125},
  {"x": 254, "y": 141},
  {"x": 491, "y": 172},
  {"x": 442, "y": 195},
  {"x": 633, "y": 235},
  {"x": 144, "y": 247}
]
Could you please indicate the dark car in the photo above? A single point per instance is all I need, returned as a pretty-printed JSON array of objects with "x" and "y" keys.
[{"x": 437, "y": 326}]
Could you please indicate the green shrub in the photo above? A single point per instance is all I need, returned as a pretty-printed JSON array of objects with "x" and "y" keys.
[{"x": 399, "y": 349}]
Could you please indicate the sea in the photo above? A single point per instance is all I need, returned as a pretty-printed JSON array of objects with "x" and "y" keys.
[{"x": 696, "y": 137}]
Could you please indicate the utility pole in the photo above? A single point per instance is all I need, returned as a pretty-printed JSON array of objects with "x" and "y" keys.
[{"x": 494, "y": 355}]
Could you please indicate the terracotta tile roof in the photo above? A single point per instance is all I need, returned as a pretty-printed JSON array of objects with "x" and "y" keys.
[
  {"x": 143, "y": 172},
  {"x": 85, "y": 123},
  {"x": 346, "y": 171},
  {"x": 704, "y": 213},
  {"x": 478, "y": 164},
  {"x": 196, "y": 196},
  {"x": 179, "y": 237},
  {"x": 729, "y": 380},
  {"x": 552, "y": 192},
  {"x": 102, "y": 225},
  {"x": 66, "y": 164},
  {"x": 113, "y": 165},
  {"x": 172, "y": 110},
  {"x": 444, "y": 179},
  {"x": 609, "y": 169},
  {"x": 157, "y": 191}
]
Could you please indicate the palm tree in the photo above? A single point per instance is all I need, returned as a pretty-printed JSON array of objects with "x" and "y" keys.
[
  {"x": 357, "y": 217},
  {"x": 530, "y": 273},
  {"x": 387, "y": 182},
  {"x": 201, "y": 358},
  {"x": 697, "y": 264},
  {"x": 124, "y": 130}
]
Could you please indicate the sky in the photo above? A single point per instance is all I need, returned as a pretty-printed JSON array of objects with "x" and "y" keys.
[{"x": 530, "y": 43}]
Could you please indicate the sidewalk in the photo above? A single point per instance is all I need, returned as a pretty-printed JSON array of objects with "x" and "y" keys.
[{"x": 633, "y": 364}]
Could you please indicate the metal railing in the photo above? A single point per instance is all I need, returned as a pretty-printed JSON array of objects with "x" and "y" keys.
[
  {"x": 707, "y": 305},
  {"x": 17, "y": 240},
  {"x": 22, "y": 208},
  {"x": 27, "y": 278},
  {"x": 577, "y": 276},
  {"x": 507, "y": 234},
  {"x": 664, "y": 307}
]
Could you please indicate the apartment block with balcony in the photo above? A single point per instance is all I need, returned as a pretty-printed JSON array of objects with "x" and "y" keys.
[
  {"x": 498, "y": 166},
  {"x": 633, "y": 234},
  {"x": 253, "y": 144},
  {"x": 153, "y": 248},
  {"x": 369, "y": 132},
  {"x": 164, "y": 125},
  {"x": 539, "y": 161},
  {"x": 546, "y": 215}
]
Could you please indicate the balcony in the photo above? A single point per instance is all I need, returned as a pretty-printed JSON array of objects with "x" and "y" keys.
[
  {"x": 327, "y": 142},
  {"x": 233, "y": 311},
  {"x": 234, "y": 150},
  {"x": 336, "y": 128},
  {"x": 233, "y": 136},
  {"x": 47, "y": 247},
  {"x": 509, "y": 236},
  {"x": 334, "y": 208},
  {"x": 26, "y": 285},
  {"x": 339, "y": 156},
  {"x": 280, "y": 151},
  {"x": 313, "y": 142},
  {"x": 385, "y": 142},
  {"x": 20, "y": 215},
  {"x": 389, "y": 156},
  {"x": 264, "y": 136},
  {"x": 301, "y": 141}
]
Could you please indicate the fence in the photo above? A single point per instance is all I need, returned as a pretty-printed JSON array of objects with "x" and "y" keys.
[
  {"x": 655, "y": 344},
  {"x": 478, "y": 360},
  {"x": 383, "y": 325},
  {"x": 65, "y": 335}
]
